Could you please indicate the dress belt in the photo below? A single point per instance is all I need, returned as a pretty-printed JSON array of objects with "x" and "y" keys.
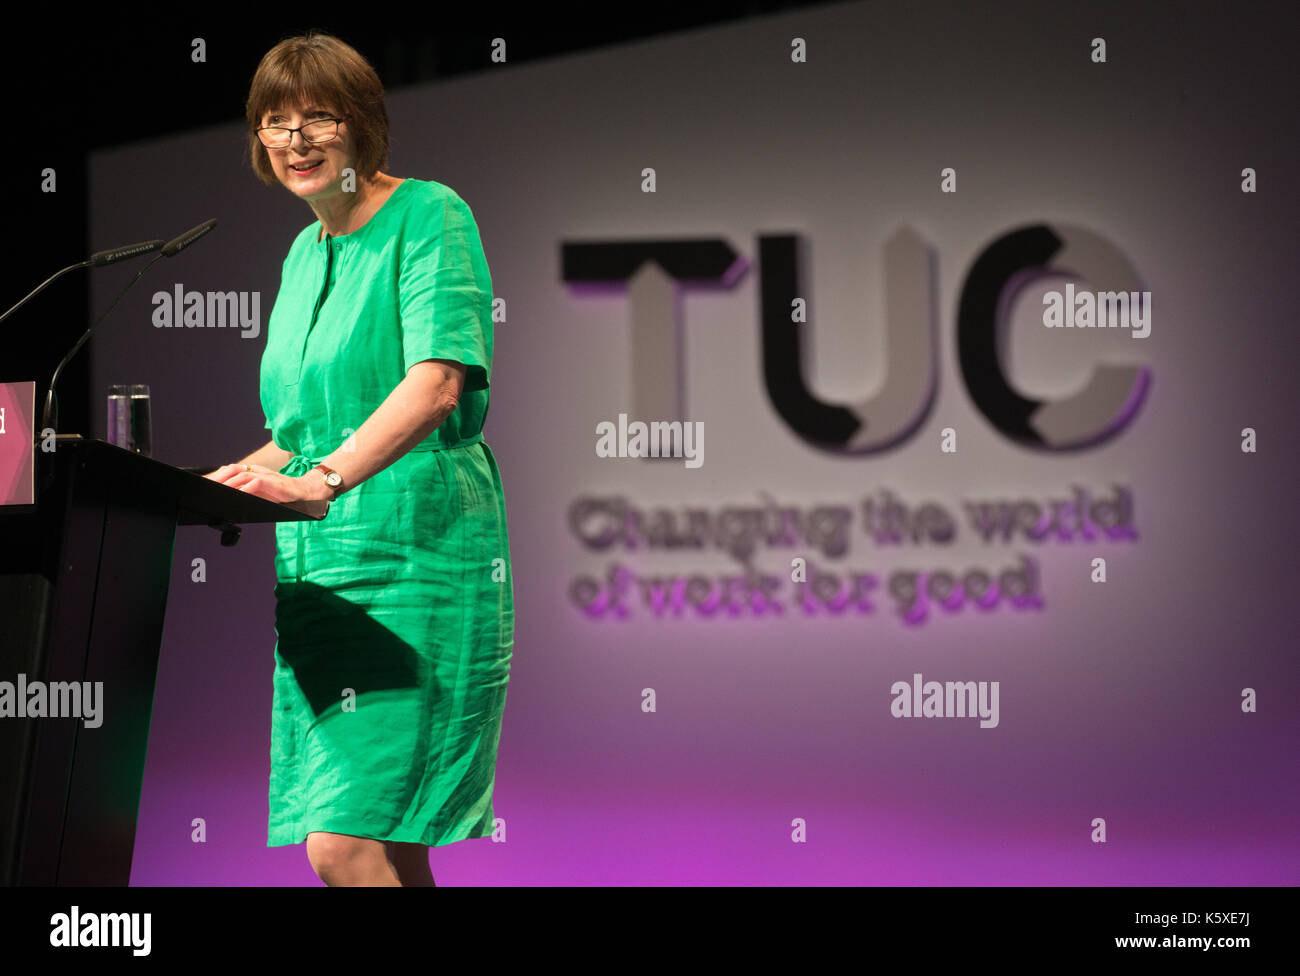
[
  {"x": 306, "y": 462},
  {"x": 469, "y": 442}
]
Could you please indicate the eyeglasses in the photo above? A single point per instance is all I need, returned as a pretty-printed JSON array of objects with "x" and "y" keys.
[{"x": 281, "y": 137}]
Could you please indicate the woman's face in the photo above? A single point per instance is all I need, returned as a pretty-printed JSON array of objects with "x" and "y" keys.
[{"x": 330, "y": 159}]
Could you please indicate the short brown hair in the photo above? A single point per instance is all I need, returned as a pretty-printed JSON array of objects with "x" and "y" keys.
[{"x": 317, "y": 67}]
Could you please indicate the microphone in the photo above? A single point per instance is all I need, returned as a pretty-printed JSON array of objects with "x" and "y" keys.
[
  {"x": 101, "y": 258},
  {"x": 178, "y": 244},
  {"x": 97, "y": 260},
  {"x": 50, "y": 415}
]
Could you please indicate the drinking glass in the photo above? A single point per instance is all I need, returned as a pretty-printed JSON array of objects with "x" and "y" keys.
[{"x": 128, "y": 417}]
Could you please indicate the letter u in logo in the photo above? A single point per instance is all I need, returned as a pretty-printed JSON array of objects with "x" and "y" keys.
[{"x": 911, "y": 379}]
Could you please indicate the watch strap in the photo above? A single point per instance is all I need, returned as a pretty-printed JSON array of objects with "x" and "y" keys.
[{"x": 338, "y": 481}]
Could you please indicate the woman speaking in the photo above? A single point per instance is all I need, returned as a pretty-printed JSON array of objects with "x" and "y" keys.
[{"x": 395, "y": 612}]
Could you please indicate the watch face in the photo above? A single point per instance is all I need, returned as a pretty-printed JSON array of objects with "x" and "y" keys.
[{"x": 333, "y": 479}]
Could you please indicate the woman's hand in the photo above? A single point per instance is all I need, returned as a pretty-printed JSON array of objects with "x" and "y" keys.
[{"x": 309, "y": 495}]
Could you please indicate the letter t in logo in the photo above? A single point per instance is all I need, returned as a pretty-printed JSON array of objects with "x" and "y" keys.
[{"x": 654, "y": 273}]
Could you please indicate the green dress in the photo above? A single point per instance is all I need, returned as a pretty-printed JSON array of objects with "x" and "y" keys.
[{"x": 395, "y": 613}]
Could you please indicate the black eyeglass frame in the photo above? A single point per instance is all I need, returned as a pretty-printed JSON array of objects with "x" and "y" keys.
[{"x": 310, "y": 142}]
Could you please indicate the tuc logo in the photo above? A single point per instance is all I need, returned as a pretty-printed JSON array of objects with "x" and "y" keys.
[{"x": 655, "y": 271}]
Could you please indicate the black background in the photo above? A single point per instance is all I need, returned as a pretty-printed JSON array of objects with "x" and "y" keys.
[{"x": 96, "y": 83}]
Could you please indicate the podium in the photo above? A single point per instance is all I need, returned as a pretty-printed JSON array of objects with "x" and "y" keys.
[{"x": 84, "y": 573}]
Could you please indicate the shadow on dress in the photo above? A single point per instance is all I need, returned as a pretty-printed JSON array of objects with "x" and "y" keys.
[{"x": 332, "y": 644}]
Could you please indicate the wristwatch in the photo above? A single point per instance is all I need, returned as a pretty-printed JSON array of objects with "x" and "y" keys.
[{"x": 333, "y": 479}]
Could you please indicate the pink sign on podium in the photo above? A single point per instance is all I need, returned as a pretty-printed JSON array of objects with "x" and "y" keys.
[{"x": 17, "y": 443}]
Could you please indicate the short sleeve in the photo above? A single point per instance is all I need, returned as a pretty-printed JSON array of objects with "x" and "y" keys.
[{"x": 445, "y": 292}]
